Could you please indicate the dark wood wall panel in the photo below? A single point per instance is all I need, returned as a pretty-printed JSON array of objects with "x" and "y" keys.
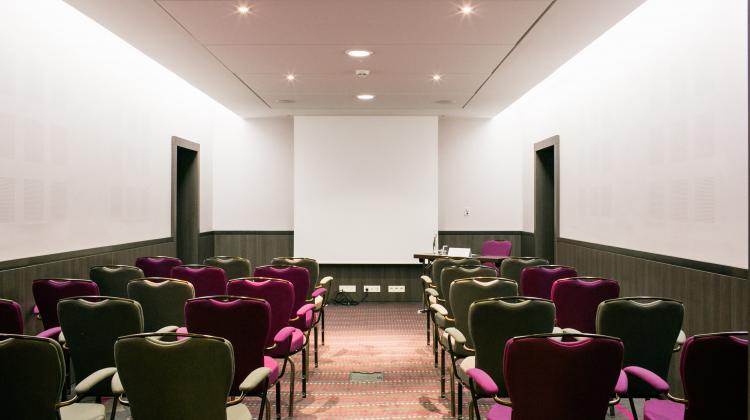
[
  {"x": 381, "y": 275},
  {"x": 15, "y": 283},
  {"x": 259, "y": 247}
]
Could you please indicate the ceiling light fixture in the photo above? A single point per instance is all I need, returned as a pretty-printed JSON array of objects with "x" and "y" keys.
[
  {"x": 290, "y": 77},
  {"x": 358, "y": 53},
  {"x": 243, "y": 9},
  {"x": 436, "y": 77},
  {"x": 365, "y": 97},
  {"x": 467, "y": 9}
]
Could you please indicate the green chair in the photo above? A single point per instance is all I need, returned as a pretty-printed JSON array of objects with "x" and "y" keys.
[
  {"x": 113, "y": 279},
  {"x": 463, "y": 293},
  {"x": 649, "y": 327},
  {"x": 234, "y": 267},
  {"x": 187, "y": 379},
  {"x": 162, "y": 301},
  {"x": 511, "y": 267},
  {"x": 91, "y": 326},
  {"x": 32, "y": 377}
]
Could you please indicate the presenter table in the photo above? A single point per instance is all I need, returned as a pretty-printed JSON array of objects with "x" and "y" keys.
[{"x": 427, "y": 258}]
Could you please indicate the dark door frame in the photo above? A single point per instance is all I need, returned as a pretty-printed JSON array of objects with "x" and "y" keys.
[
  {"x": 180, "y": 143},
  {"x": 553, "y": 143}
]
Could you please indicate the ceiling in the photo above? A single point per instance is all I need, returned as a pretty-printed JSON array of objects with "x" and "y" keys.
[{"x": 485, "y": 60}]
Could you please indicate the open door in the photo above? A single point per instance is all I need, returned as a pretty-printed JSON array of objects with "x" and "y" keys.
[
  {"x": 186, "y": 198},
  {"x": 546, "y": 198}
]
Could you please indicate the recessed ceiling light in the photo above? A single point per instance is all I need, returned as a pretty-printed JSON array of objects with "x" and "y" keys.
[
  {"x": 365, "y": 97},
  {"x": 290, "y": 77},
  {"x": 243, "y": 10},
  {"x": 467, "y": 9},
  {"x": 445, "y": 102},
  {"x": 286, "y": 101},
  {"x": 436, "y": 77},
  {"x": 358, "y": 53}
]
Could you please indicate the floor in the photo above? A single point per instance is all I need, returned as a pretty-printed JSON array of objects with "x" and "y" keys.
[{"x": 388, "y": 338}]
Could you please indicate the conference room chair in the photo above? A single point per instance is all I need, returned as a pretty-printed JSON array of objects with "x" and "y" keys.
[
  {"x": 162, "y": 301},
  {"x": 246, "y": 323},
  {"x": 283, "y": 341},
  {"x": 48, "y": 292},
  {"x": 649, "y": 328},
  {"x": 32, "y": 378},
  {"x": 319, "y": 292},
  {"x": 549, "y": 378},
  {"x": 188, "y": 379},
  {"x": 512, "y": 267},
  {"x": 206, "y": 280},
  {"x": 577, "y": 300},
  {"x": 113, "y": 279},
  {"x": 234, "y": 267},
  {"x": 536, "y": 281},
  {"x": 11, "y": 320},
  {"x": 713, "y": 368},
  {"x": 91, "y": 326},
  {"x": 463, "y": 293},
  {"x": 159, "y": 266},
  {"x": 432, "y": 293},
  {"x": 496, "y": 248}
]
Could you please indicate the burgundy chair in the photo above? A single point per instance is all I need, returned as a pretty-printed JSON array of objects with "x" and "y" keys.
[
  {"x": 577, "y": 299},
  {"x": 244, "y": 322},
  {"x": 48, "y": 292},
  {"x": 11, "y": 320},
  {"x": 713, "y": 368},
  {"x": 496, "y": 248},
  {"x": 280, "y": 296},
  {"x": 207, "y": 280},
  {"x": 548, "y": 378},
  {"x": 157, "y": 266},
  {"x": 537, "y": 281}
]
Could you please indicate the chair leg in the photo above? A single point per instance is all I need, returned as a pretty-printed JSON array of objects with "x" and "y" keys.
[
  {"x": 476, "y": 408},
  {"x": 268, "y": 411},
  {"x": 427, "y": 316},
  {"x": 262, "y": 404},
  {"x": 442, "y": 373},
  {"x": 278, "y": 400},
  {"x": 323, "y": 326},
  {"x": 315, "y": 331},
  {"x": 114, "y": 408},
  {"x": 460, "y": 402},
  {"x": 453, "y": 393},
  {"x": 471, "y": 410},
  {"x": 434, "y": 344},
  {"x": 291, "y": 387},
  {"x": 304, "y": 372},
  {"x": 632, "y": 408},
  {"x": 611, "y": 410}
]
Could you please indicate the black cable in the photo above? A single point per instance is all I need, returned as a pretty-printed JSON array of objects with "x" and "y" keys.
[{"x": 344, "y": 299}]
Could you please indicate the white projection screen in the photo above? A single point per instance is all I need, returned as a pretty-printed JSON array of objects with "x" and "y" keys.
[{"x": 365, "y": 188}]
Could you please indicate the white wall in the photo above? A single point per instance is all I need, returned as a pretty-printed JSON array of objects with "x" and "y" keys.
[
  {"x": 86, "y": 123},
  {"x": 652, "y": 119}
]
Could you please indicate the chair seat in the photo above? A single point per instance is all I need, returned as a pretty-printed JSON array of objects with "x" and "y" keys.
[
  {"x": 500, "y": 412},
  {"x": 298, "y": 340},
  {"x": 82, "y": 411},
  {"x": 663, "y": 410},
  {"x": 239, "y": 412}
]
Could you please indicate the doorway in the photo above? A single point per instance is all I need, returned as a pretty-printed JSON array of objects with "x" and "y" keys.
[
  {"x": 186, "y": 198},
  {"x": 546, "y": 198}
]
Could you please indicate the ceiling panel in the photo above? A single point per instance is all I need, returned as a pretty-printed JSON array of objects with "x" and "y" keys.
[{"x": 386, "y": 101}]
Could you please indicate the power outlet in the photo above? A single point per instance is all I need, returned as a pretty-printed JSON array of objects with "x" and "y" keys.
[
  {"x": 372, "y": 289},
  {"x": 396, "y": 289},
  {"x": 348, "y": 288}
]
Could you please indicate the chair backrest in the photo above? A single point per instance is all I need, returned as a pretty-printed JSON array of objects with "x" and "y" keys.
[
  {"x": 648, "y": 327},
  {"x": 577, "y": 299},
  {"x": 297, "y": 275},
  {"x": 162, "y": 300},
  {"x": 32, "y": 371},
  {"x": 245, "y": 322},
  {"x": 713, "y": 368},
  {"x": 536, "y": 281},
  {"x": 48, "y": 292},
  {"x": 91, "y": 326},
  {"x": 442, "y": 263},
  {"x": 497, "y": 248},
  {"x": 11, "y": 318},
  {"x": 157, "y": 266},
  {"x": 464, "y": 292},
  {"x": 492, "y": 322},
  {"x": 310, "y": 264},
  {"x": 551, "y": 379},
  {"x": 451, "y": 274},
  {"x": 511, "y": 267},
  {"x": 206, "y": 280},
  {"x": 187, "y": 379},
  {"x": 113, "y": 279},
  {"x": 234, "y": 267},
  {"x": 277, "y": 292}
]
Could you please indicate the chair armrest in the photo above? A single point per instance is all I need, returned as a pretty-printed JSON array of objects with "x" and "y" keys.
[
  {"x": 432, "y": 292},
  {"x": 483, "y": 381},
  {"x": 168, "y": 329},
  {"x": 621, "y": 386},
  {"x": 324, "y": 282},
  {"x": 681, "y": 338},
  {"x": 36, "y": 313},
  {"x": 320, "y": 291},
  {"x": 283, "y": 339},
  {"x": 304, "y": 309},
  {"x": 54, "y": 333},
  {"x": 254, "y": 379},
  {"x": 439, "y": 309},
  {"x": 654, "y": 380},
  {"x": 456, "y": 336},
  {"x": 426, "y": 281},
  {"x": 87, "y": 383},
  {"x": 318, "y": 302},
  {"x": 117, "y": 388}
]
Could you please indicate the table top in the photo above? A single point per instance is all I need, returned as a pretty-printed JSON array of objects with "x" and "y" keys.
[{"x": 483, "y": 258}]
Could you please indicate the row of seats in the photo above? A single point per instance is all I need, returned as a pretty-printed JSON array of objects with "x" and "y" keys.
[
  {"x": 265, "y": 319},
  {"x": 478, "y": 315}
]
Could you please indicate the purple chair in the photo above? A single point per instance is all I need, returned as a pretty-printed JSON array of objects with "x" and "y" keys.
[
  {"x": 548, "y": 378},
  {"x": 157, "y": 266},
  {"x": 280, "y": 296},
  {"x": 496, "y": 248},
  {"x": 207, "y": 280},
  {"x": 577, "y": 300},
  {"x": 11, "y": 320},
  {"x": 246, "y": 323},
  {"x": 537, "y": 281},
  {"x": 48, "y": 292},
  {"x": 713, "y": 368}
]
